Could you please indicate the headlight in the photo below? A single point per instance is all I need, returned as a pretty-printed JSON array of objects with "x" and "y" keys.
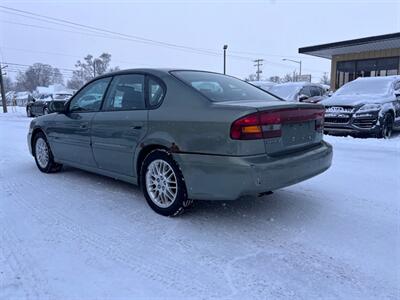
[{"x": 370, "y": 107}]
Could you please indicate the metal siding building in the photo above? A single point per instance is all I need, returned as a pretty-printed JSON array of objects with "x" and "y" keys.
[{"x": 365, "y": 57}]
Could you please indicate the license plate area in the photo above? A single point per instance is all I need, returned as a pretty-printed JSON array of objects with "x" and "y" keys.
[{"x": 298, "y": 133}]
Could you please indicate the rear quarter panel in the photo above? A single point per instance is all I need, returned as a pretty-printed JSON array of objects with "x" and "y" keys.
[{"x": 190, "y": 122}]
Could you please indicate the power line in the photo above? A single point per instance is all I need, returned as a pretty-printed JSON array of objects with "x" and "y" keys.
[
  {"x": 126, "y": 37},
  {"x": 22, "y": 65},
  {"x": 49, "y": 19},
  {"x": 104, "y": 33}
]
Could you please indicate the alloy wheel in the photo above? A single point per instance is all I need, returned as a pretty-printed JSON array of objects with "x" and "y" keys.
[
  {"x": 161, "y": 183},
  {"x": 42, "y": 152}
]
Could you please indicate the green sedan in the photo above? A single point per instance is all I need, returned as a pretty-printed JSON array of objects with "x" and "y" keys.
[{"x": 183, "y": 135}]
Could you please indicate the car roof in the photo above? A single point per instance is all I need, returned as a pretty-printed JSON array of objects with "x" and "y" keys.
[
  {"x": 297, "y": 84},
  {"x": 379, "y": 78},
  {"x": 154, "y": 71}
]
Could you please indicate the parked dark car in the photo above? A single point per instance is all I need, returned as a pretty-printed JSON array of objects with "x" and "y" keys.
[
  {"x": 42, "y": 105},
  {"x": 299, "y": 92},
  {"x": 183, "y": 135},
  {"x": 365, "y": 106}
]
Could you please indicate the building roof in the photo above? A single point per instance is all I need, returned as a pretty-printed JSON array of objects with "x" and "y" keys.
[{"x": 372, "y": 43}]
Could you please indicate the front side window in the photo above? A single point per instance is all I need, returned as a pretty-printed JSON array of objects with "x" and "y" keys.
[
  {"x": 126, "y": 93},
  {"x": 90, "y": 97},
  {"x": 219, "y": 88},
  {"x": 315, "y": 91}
]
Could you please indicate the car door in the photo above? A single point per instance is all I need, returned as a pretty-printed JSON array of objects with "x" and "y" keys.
[
  {"x": 121, "y": 124},
  {"x": 69, "y": 133},
  {"x": 37, "y": 105},
  {"x": 396, "y": 88}
]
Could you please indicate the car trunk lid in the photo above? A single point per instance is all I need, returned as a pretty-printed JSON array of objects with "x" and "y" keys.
[{"x": 284, "y": 127}]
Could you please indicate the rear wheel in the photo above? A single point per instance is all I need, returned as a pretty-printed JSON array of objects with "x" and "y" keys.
[
  {"x": 163, "y": 184},
  {"x": 43, "y": 155},
  {"x": 386, "y": 127}
]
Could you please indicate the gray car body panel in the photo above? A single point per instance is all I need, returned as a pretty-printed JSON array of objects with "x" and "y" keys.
[{"x": 197, "y": 133}]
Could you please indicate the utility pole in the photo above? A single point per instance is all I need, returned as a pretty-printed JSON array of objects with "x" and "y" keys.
[
  {"x": 3, "y": 93},
  {"x": 258, "y": 63},
  {"x": 225, "y": 47}
]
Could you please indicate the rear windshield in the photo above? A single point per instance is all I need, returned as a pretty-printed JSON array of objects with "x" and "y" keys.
[{"x": 219, "y": 88}]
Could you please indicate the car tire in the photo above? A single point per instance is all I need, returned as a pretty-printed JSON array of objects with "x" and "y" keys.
[
  {"x": 45, "y": 111},
  {"x": 29, "y": 112},
  {"x": 386, "y": 127},
  {"x": 163, "y": 184},
  {"x": 43, "y": 156}
]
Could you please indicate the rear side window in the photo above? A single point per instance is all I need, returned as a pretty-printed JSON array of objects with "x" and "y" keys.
[
  {"x": 219, "y": 88},
  {"x": 156, "y": 92},
  {"x": 126, "y": 92}
]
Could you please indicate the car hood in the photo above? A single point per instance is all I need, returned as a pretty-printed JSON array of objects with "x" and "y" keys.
[{"x": 355, "y": 100}]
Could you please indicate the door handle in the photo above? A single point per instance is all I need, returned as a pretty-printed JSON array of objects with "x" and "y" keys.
[
  {"x": 137, "y": 127},
  {"x": 84, "y": 125}
]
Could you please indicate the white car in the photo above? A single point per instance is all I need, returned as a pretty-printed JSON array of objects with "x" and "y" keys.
[
  {"x": 299, "y": 92},
  {"x": 265, "y": 85}
]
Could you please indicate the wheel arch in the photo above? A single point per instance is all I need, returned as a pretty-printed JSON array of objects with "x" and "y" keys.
[
  {"x": 34, "y": 133},
  {"x": 143, "y": 152}
]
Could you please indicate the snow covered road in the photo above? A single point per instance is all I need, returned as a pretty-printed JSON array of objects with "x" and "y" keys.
[{"x": 76, "y": 235}]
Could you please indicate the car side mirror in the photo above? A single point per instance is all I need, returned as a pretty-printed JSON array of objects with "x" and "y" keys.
[
  {"x": 58, "y": 107},
  {"x": 397, "y": 93},
  {"x": 303, "y": 97}
]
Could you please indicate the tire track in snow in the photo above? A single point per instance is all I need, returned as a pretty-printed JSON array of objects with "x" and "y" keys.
[
  {"x": 170, "y": 275},
  {"x": 16, "y": 256}
]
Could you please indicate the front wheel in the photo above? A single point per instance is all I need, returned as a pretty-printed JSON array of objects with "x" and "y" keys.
[
  {"x": 163, "y": 184},
  {"x": 43, "y": 155},
  {"x": 386, "y": 127}
]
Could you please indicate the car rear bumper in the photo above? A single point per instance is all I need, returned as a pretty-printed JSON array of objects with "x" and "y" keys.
[{"x": 212, "y": 177}]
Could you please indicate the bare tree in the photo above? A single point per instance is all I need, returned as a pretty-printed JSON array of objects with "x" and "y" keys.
[
  {"x": 8, "y": 84},
  {"x": 325, "y": 79},
  {"x": 38, "y": 75},
  {"x": 275, "y": 79},
  {"x": 57, "y": 76},
  {"x": 287, "y": 78},
  {"x": 89, "y": 68},
  {"x": 251, "y": 77}
]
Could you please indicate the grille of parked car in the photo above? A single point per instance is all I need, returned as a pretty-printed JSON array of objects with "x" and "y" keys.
[
  {"x": 339, "y": 109},
  {"x": 368, "y": 122},
  {"x": 343, "y": 120}
]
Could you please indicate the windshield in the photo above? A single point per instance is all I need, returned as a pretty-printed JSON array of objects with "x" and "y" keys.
[
  {"x": 218, "y": 87},
  {"x": 285, "y": 91},
  {"x": 365, "y": 87}
]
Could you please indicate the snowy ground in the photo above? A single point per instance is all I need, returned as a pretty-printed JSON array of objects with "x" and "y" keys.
[{"x": 76, "y": 235}]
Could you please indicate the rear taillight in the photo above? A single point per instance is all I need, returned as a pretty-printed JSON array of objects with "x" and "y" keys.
[{"x": 268, "y": 124}]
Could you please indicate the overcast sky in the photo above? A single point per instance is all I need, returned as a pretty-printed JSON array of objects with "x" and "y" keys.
[{"x": 271, "y": 30}]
